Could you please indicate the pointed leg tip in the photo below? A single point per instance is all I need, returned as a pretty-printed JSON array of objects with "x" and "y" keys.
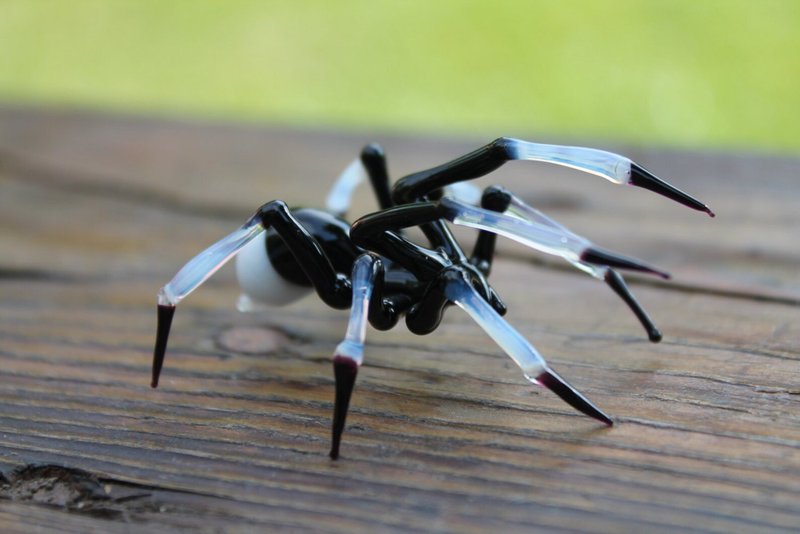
[
  {"x": 602, "y": 417},
  {"x": 345, "y": 371},
  {"x": 165, "y": 315},
  {"x": 552, "y": 381},
  {"x": 156, "y": 376},
  {"x": 601, "y": 256},
  {"x": 641, "y": 177},
  {"x": 710, "y": 213}
]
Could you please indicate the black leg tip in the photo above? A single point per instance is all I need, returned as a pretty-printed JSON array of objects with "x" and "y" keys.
[
  {"x": 495, "y": 198},
  {"x": 165, "y": 315},
  {"x": 345, "y": 371},
  {"x": 372, "y": 151},
  {"x": 654, "y": 335},
  {"x": 572, "y": 396},
  {"x": 601, "y": 256},
  {"x": 643, "y": 178},
  {"x": 617, "y": 283}
]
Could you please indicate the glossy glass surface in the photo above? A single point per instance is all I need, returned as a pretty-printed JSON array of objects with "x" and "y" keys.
[
  {"x": 607, "y": 165},
  {"x": 363, "y": 280},
  {"x": 511, "y": 341},
  {"x": 202, "y": 266}
]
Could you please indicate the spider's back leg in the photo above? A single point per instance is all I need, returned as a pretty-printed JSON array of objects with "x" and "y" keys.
[
  {"x": 534, "y": 367},
  {"x": 535, "y": 229},
  {"x": 497, "y": 199},
  {"x": 310, "y": 256},
  {"x": 371, "y": 164}
]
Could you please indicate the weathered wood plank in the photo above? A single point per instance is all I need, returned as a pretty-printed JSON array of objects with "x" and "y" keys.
[{"x": 98, "y": 211}]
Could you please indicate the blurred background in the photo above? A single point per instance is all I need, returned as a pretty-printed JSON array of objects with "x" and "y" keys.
[{"x": 721, "y": 74}]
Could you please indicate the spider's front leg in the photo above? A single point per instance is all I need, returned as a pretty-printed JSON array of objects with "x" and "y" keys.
[
  {"x": 613, "y": 167},
  {"x": 349, "y": 354},
  {"x": 457, "y": 282},
  {"x": 575, "y": 249},
  {"x": 455, "y": 285},
  {"x": 534, "y": 367}
]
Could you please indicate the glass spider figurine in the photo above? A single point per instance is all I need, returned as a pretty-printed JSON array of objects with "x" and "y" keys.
[{"x": 381, "y": 275}]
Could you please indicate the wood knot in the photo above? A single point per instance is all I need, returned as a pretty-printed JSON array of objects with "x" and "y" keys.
[{"x": 252, "y": 340}]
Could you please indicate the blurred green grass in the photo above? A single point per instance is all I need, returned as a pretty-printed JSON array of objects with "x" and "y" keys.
[{"x": 721, "y": 73}]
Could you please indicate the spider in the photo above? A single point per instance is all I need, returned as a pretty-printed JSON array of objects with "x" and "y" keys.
[{"x": 372, "y": 268}]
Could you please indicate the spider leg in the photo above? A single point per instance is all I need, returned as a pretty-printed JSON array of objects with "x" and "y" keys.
[
  {"x": 349, "y": 354},
  {"x": 371, "y": 164},
  {"x": 618, "y": 285},
  {"x": 380, "y": 233},
  {"x": 340, "y": 196},
  {"x": 376, "y": 232},
  {"x": 438, "y": 234},
  {"x": 534, "y": 367},
  {"x": 550, "y": 238},
  {"x": 374, "y": 160},
  {"x": 332, "y": 287},
  {"x": 194, "y": 273},
  {"x": 499, "y": 199},
  {"x": 613, "y": 167},
  {"x": 201, "y": 267},
  {"x": 496, "y": 199}
]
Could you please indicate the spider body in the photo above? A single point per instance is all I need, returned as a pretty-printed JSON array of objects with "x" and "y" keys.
[
  {"x": 270, "y": 274},
  {"x": 373, "y": 269}
]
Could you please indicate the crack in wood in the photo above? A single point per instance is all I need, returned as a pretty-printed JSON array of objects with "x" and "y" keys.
[{"x": 77, "y": 491}]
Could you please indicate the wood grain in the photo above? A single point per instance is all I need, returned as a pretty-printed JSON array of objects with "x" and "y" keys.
[{"x": 98, "y": 211}]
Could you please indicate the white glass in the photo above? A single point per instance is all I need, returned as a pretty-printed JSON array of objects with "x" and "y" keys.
[
  {"x": 202, "y": 266},
  {"x": 542, "y": 237},
  {"x": 608, "y": 165},
  {"x": 341, "y": 194},
  {"x": 511, "y": 341},
  {"x": 522, "y": 210},
  {"x": 363, "y": 281}
]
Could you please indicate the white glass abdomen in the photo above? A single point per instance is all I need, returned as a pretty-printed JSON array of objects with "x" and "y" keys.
[{"x": 259, "y": 280}]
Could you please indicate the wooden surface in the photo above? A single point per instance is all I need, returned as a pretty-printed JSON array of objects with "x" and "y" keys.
[{"x": 98, "y": 211}]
